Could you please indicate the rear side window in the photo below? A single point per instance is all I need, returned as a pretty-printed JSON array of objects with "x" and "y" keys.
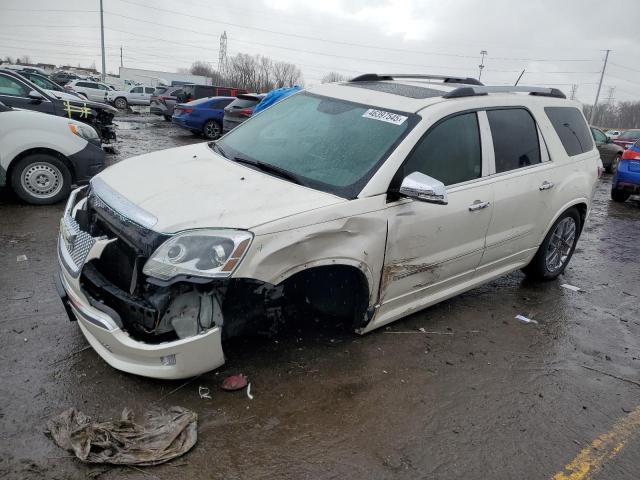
[
  {"x": 220, "y": 104},
  {"x": 572, "y": 129},
  {"x": 449, "y": 152},
  {"x": 242, "y": 103},
  {"x": 149, "y": 90},
  {"x": 160, "y": 90},
  {"x": 599, "y": 136},
  {"x": 515, "y": 139}
]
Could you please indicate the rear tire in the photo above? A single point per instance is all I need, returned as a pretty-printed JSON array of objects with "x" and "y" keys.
[
  {"x": 41, "y": 179},
  {"x": 556, "y": 249},
  {"x": 212, "y": 130},
  {"x": 619, "y": 195}
]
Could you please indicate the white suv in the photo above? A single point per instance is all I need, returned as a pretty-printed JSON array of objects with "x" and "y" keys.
[
  {"x": 94, "y": 91},
  {"x": 366, "y": 200}
]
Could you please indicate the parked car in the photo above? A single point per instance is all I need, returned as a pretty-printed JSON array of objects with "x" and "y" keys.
[
  {"x": 41, "y": 155},
  {"x": 240, "y": 109},
  {"x": 202, "y": 117},
  {"x": 16, "y": 91},
  {"x": 191, "y": 92},
  {"x": 628, "y": 138},
  {"x": 138, "y": 95},
  {"x": 44, "y": 83},
  {"x": 610, "y": 153},
  {"x": 626, "y": 181},
  {"x": 164, "y": 100},
  {"x": 62, "y": 77},
  {"x": 365, "y": 204},
  {"x": 94, "y": 91},
  {"x": 613, "y": 134}
]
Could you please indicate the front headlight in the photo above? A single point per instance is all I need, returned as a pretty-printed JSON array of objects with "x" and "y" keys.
[
  {"x": 85, "y": 131},
  {"x": 200, "y": 253}
]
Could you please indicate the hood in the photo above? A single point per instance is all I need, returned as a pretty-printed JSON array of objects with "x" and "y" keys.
[
  {"x": 63, "y": 95},
  {"x": 194, "y": 187}
]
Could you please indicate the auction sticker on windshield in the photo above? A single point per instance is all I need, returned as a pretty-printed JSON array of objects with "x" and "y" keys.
[{"x": 384, "y": 116}]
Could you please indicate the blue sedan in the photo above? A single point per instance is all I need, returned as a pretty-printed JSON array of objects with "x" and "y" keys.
[{"x": 202, "y": 116}]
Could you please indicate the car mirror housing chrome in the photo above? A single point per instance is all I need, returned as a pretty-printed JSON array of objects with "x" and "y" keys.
[{"x": 424, "y": 188}]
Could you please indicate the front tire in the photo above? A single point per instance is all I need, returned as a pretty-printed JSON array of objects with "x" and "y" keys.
[
  {"x": 557, "y": 248},
  {"x": 619, "y": 195},
  {"x": 121, "y": 103},
  {"x": 614, "y": 164},
  {"x": 41, "y": 179},
  {"x": 212, "y": 130}
]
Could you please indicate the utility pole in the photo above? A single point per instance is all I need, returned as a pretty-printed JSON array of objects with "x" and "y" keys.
[
  {"x": 595, "y": 104},
  {"x": 574, "y": 89},
  {"x": 121, "y": 62},
  {"x": 104, "y": 61},
  {"x": 481, "y": 66}
]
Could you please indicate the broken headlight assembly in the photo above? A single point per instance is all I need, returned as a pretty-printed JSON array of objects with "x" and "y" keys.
[{"x": 199, "y": 253}]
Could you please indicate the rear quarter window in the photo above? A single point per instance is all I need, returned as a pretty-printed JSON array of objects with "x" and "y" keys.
[{"x": 571, "y": 127}]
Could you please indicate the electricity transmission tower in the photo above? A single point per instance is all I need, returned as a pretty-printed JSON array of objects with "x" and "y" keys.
[
  {"x": 611, "y": 95},
  {"x": 222, "y": 53}
]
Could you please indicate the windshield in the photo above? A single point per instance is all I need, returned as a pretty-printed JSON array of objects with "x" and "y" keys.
[
  {"x": 325, "y": 143},
  {"x": 630, "y": 135}
]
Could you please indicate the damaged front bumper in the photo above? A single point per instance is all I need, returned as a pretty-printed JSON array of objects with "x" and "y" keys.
[{"x": 103, "y": 327}]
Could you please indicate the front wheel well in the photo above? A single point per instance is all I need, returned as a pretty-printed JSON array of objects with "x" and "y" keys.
[
  {"x": 33, "y": 151},
  {"x": 335, "y": 290}
]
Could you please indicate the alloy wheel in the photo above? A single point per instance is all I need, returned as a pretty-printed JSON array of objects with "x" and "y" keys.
[{"x": 560, "y": 245}]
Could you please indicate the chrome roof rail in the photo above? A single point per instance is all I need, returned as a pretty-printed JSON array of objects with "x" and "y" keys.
[{"x": 471, "y": 91}]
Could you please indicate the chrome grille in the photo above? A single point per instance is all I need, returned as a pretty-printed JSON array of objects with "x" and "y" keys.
[{"x": 74, "y": 244}]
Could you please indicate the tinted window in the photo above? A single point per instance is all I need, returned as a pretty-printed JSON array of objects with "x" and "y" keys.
[
  {"x": 220, "y": 104},
  {"x": 515, "y": 139},
  {"x": 136, "y": 90},
  {"x": 599, "y": 136},
  {"x": 160, "y": 90},
  {"x": 10, "y": 86},
  {"x": 83, "y": 84},
  {"x": 243, "y": 103},
  {"x": 149, "y": 90},
  {"x": 572, "y": 129},
  {"x": 449, "y": 152}
]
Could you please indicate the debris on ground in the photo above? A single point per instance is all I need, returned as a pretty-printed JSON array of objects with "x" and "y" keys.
[
  {"x": 204, "y": 392},
  {"x": 234, "y": 382},
  {"x": 165, "y": 435},
  {"x": 249, "y": 392},
  {"x": 573, "y": 288},
  {"x": 21, "y": 258},
  {"x": 524, "y": 319}
]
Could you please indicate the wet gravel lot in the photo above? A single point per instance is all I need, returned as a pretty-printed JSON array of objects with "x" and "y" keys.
[{"x": 480, "y": 395}]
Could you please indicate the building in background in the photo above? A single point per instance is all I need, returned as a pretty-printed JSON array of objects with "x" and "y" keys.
[{"x": 153, "y": 78}]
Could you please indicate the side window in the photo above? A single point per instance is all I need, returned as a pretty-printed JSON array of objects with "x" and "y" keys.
[
  {"x": 449, "y": 152},
  {"x": 571, "y": 127},
  {"x": 10, "y": 86},
  {"x": 136, "y": 90},
  {"x": 83, "y": 85},
  {"x": 149, "y": 90},
  {"x": 515, "y": 138},
  {"x": 599, "y": 136},
  {"x": 102, "y": 87},
  {"x": 220, "y": 104}
]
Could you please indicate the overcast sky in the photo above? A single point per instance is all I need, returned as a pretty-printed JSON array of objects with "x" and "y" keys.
[{"x": 559, "y": 42}]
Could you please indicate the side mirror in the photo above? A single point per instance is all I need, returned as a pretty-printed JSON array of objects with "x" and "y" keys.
[
  {"x": 608, "y": 140},
  {"x": 424, "y": 188},
  {"x": 36, "y": 96}
]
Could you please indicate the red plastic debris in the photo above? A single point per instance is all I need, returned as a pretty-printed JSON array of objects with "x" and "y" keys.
[{"x": 234, "y": 382}]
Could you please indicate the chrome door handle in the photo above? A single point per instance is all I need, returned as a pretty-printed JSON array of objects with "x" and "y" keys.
[
  {"x": 546, "y": 185},
  {"x": 478, "y": 205}
]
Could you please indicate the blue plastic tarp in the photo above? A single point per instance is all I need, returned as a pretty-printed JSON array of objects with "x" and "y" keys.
[{"x": 274, "y": 96}]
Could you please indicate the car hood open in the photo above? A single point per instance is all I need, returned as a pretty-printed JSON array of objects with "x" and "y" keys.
[{"x": 194, "y": 187}]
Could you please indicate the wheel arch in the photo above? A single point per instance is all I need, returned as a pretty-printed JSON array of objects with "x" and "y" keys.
[
  {"x": 32, "y": 151},
  {"x": 580, "y": 204}
]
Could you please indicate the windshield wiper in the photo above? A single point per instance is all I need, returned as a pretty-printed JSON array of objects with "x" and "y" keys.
[
  {"x": 214, "y": 146},
  {"x": 268, "y": 168}
]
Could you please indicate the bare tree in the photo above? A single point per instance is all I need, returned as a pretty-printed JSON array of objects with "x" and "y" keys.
[
  {"x": 333, "y": 77},
  {"x": 201, "y": 68}
]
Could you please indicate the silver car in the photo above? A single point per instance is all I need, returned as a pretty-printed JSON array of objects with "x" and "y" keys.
[{"x": 164, "y": 100}]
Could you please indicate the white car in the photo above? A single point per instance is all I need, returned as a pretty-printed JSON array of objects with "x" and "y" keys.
[
  {"x": 365, "y": 200},
  {"x": 613, "y": 134},
  {"x": 42, "y": 155},
  {"x": 138, "y": 95},
  {"x": 94, "y": 91}
]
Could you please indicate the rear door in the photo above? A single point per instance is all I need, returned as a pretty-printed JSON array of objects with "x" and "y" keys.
[
  {"x": 524, "y": 178},
  {"x": 148, "y": 92},
  {"x": 432, "y": 248},
  {"x": 136, "y": 96}
]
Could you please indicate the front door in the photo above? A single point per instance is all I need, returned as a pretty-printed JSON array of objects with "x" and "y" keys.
[
  {"x": 14, "y": 93},
  {"x": 430, "y": 247}
]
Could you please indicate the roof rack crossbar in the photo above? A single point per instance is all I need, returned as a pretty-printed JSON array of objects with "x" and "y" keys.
[
  {"x": 484, "y": 90},
  {"x": 373, "y": 77}
]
